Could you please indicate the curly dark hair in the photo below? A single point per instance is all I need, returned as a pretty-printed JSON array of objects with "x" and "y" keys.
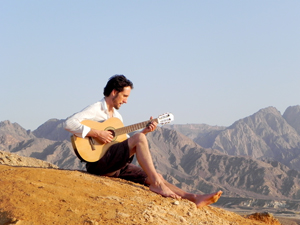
[{"x": 116, "y": 82}]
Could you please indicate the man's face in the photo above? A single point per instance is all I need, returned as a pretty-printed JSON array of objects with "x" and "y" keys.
[{"x": 121, "y": 97}]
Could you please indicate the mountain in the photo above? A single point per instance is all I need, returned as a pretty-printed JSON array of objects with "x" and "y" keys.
[
  {"x": 292, "y": 116},
  {"x": 264, "y": 135},
  {"x": 11, "y": 134},
  {"x": 195, "y": 169},
  {"x": 15, "y": 139},
  {"x": 194, "y": 131},
  {"x": 52, "y": 130}
]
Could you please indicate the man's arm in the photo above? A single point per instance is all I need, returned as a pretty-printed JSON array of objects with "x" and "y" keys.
[
  {"x": 92, "y": 112},
  {"x": 102, "y": 136}
]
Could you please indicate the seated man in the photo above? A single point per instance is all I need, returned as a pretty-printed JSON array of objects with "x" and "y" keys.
[{"x": 117, "y": 160}]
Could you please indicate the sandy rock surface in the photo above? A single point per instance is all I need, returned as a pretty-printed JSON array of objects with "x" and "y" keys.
[
  {"x": 52, "y": 196},
  {"x": 7, "y": 158}
]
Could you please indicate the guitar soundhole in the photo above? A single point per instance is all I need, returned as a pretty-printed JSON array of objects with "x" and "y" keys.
[
  {"x": 110, "y": 129},
  {"x": 112, "y": 132}
]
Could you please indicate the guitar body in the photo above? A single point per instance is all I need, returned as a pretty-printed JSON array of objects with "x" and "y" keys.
[{"x": 89, "y": 149}]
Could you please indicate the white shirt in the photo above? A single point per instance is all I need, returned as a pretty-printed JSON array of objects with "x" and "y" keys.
[{"x": 96, "y": 112}]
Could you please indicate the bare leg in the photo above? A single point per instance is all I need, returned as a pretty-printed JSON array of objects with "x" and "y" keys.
[
  {"x": 199, "y": 200},
  {"x": 138, "y": 145}
]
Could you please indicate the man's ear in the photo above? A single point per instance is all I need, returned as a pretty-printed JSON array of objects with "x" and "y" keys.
[{"x": 114, "y": 92}]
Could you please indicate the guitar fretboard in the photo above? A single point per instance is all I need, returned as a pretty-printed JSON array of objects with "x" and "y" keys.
[{"x": 134, "y": 127}]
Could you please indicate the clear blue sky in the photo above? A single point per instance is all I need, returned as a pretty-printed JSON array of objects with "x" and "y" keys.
[{"x": 210, "y": 62}]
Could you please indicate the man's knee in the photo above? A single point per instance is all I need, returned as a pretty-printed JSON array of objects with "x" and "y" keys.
[
  {"x": 140, "y": 137},
  {"x": 136, "y": 139}
]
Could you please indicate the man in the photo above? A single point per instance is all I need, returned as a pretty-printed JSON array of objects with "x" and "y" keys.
[{"x": 117, "y": 160}]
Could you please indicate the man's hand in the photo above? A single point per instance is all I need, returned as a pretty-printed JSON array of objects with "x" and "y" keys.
[
  {"x": 151, "y": 126},
  {"x": 103, "y": 136}
]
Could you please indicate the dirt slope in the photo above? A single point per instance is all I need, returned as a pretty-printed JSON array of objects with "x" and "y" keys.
[{"x": 53, "y": 196}]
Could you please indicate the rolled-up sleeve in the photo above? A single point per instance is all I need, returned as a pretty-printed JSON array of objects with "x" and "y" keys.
[
  {"x": 74, "y": 126},
  {"x": 73, "y": 123}
]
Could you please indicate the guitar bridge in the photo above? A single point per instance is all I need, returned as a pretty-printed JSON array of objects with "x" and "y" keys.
[{"x": 92, "y": 143}]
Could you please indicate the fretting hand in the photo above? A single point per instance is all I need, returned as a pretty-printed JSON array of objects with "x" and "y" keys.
[{"x": 150, "y": 127}]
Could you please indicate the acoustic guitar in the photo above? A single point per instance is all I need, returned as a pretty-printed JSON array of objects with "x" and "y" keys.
[{"x": 88, "y": 149}]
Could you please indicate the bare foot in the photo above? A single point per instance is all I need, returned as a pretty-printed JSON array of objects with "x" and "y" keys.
[
  {"x": 204, "y": 200},
  {"x": 163, "y": 190}
]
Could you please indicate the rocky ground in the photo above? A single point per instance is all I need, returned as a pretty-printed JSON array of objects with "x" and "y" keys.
[{"x": 43, "y": 194}]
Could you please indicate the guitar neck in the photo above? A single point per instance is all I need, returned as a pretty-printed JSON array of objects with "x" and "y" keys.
[{"x": 134, "y": 127}]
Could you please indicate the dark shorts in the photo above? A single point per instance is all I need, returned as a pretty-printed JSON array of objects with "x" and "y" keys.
[{"x": 117, "y": 163}]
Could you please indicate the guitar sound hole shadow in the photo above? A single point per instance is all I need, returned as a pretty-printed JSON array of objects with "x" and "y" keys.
[{"x": 113, "y": 134}]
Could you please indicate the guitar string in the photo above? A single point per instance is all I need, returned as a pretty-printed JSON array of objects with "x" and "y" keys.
[{"x": 131, "y": 128}]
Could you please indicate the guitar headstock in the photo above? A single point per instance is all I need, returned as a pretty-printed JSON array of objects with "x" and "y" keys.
[{"x": 165, "y": 118}]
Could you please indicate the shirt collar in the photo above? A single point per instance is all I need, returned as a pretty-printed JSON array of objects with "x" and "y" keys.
[{"x": 104, "y": 107}]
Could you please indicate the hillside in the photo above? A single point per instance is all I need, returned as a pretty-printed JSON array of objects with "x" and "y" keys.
[{"x": 31, "y": 195}]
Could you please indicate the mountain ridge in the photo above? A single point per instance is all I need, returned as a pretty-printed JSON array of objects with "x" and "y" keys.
[{"x": 264, "y": 134}]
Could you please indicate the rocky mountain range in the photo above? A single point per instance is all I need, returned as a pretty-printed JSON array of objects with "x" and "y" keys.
[
  {"x": 255, "y": 159},
  {"x": 264, "y": 135},
  {"x": 40, "y": 145}
]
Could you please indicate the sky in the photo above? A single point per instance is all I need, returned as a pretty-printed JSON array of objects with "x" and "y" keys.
[{"x": 211, "y": 62}]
